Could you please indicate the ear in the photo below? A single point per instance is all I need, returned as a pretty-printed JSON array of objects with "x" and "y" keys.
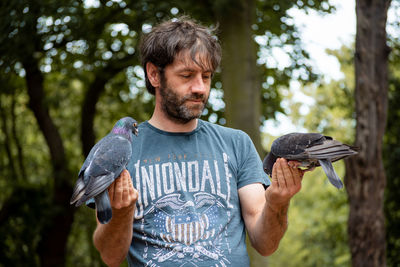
[{"x": 153, "y": 74}]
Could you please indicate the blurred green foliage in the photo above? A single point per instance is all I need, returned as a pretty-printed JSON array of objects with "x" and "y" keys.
[
  {"x": 317, "y": 229},
  {"x": 332, "y": 112},
  {"x": 317, "y": 232},
  {"x": 391, "y": 148}
]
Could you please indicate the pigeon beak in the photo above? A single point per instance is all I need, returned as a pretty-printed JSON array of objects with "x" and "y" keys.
[{"x": 135, "y": 129}]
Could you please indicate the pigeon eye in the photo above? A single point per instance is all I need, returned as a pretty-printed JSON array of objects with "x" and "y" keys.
[{"x": 134, "y": 124}]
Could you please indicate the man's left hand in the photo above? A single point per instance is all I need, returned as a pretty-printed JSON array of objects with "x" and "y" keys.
[{"x": 285, "y": 183}]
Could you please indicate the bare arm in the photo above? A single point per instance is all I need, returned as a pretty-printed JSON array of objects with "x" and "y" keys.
[
  {"x": 112, "y": 240},
  {"x": 265, "y": 212}
]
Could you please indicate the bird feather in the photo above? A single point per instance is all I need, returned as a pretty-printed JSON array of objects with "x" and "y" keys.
[
  {"x": 311, "y": 150},
  {"x": 105, "y": 162}
]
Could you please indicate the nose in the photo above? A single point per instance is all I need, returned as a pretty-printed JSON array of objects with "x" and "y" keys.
[{"x": 198, "y": 85}]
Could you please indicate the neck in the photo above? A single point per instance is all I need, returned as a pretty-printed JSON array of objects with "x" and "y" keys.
[
  {"x": 121, "y": 131},
  {"x": 163, "y": 122}
]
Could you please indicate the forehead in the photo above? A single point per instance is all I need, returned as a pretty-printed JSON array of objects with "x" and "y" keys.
[{"x": 185, "y": 60}]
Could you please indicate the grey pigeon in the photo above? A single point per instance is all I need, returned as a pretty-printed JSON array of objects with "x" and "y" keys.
[
  {"x": 311, "y": 150},
  {"x": 105, "y": 162}
]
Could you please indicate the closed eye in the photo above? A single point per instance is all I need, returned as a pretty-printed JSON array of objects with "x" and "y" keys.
[{"x": 186, "y": 76}]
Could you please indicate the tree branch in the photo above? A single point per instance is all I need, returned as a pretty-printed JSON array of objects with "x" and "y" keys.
[
  {"x": 7, "y": 143},
  {"x": 96, "y": 88},
  {"x": 15, "y": 135}
]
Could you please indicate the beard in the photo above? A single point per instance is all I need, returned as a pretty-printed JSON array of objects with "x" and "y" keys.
[{"x": 177, "y": 108}]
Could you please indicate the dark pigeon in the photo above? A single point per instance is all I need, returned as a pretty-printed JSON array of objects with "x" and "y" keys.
[
  {"x": 311, "y": 150},
  {"x": 105, "y": 162}
]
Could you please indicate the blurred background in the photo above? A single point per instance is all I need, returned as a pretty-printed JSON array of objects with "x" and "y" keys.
[{"x": 69, "y": 69}]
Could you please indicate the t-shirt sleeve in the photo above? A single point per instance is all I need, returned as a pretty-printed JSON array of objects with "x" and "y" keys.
[{"x": 250, "y": 165}]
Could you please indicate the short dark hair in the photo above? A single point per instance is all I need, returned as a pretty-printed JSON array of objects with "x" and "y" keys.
[{"x": 165, "y": 41}]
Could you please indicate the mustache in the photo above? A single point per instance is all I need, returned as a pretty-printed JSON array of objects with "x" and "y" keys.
[{"x": 194, "y": 96}]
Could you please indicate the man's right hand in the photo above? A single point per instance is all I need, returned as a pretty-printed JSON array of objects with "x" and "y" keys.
[
  {"x": 122, "y": 193},
  {"x": 113, "y": 239}
]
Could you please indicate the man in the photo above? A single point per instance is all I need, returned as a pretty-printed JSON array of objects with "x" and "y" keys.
[{"x": 193, "y": 187}]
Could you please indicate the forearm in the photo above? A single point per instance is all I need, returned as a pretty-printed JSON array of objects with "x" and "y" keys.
[
  {"x": 265, "y": 211},
  {"x": 266, "y": 220},
  {"x": 269, "y": 229},
  {"x": 112, "y": 240}
]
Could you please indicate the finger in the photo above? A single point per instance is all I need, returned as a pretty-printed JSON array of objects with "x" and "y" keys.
[
  {"x": 125, "y": 184},
  {"x": 274, "y": 180},
  {"x": 132, "y": 189},
  {"x": 133, "y": 193},
  {"x": 280, "y": 174},
  {"x": 130, "y": 181},
  {"x": 294, "y": 164},
  {"x": 119, "y": 188},
  {"x": 111, "y": 190},
  {"x": 287, "y": 172},
  {"x": 298, "y": 176}
]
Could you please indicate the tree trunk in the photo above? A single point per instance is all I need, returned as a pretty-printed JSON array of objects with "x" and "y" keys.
[
  {"x": 240, "y": 75},
  {"x": 240, "y": 78},
  {"x": 365, "y": 178},
  {"x": 58, "y": 221}
]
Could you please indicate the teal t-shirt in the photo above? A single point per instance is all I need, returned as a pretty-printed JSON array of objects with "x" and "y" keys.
[{"x": 188, "y": 210}]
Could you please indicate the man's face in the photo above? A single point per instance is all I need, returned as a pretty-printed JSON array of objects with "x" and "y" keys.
[{"x": 184, "y": 88}]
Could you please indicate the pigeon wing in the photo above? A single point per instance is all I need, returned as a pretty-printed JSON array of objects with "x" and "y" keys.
[
  {"x": 110, "y": 156},
  {"x": 79, "y": 190},
  {"x": 81, "y": 183},
  {"x": 95, "y": 187},
  {"x": 293, "y": 146},
  {"x": 89, "y": 158},
  {"x": 330, "y": 149},
  {"x": 106, "y": 165}
]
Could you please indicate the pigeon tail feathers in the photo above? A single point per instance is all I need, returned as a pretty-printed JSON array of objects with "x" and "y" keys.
[
  {"x": 79, "y": 190},
  {"x": 103, "y": 207},
  {"x": 330, "y": 172}
]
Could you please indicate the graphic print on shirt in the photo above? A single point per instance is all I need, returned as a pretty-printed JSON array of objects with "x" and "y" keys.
[{"x": 186, "y": 205}]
